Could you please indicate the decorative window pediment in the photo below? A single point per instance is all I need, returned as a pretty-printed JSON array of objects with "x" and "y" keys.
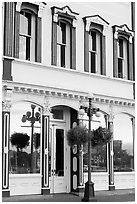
[
  {"x": 123, "y": 30},
  {"x": 95, "y": 19},
  {"x": 64, "y": 12}
]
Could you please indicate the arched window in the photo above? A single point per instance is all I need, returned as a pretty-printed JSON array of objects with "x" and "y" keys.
[
  {"x": 24, "y": 145},
  {"x": 122, "y": 58},
  {"x": 63, "y": 37},
  {"x": 99, "y": 152},
  {"x": 95, "y": 44},
  {"x": 27, "y": 32},
  {"x": 123, "y": 143},
  {"x": 95, "y": 52},
  {"x": 123, "y": 52}
]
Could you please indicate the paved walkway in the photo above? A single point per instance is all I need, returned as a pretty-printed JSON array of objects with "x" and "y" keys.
[{"x": 127, "y": 195}]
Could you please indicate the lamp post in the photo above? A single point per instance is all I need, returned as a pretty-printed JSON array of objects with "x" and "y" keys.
[
  {"x": 30, "y": 117},
  {"x": 90, "y": 109}
]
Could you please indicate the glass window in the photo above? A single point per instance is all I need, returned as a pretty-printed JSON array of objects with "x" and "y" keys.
[
  {"x": 98, "y": 153},
  {"x": 95, "y": 52},
  {"x": 27, "y": 36},
  {"x": 24, "y": 153},
  {"x": 57, "y": 114},
  {"x": 123, "y": 143},
  {"x": 63, "y": 45}
]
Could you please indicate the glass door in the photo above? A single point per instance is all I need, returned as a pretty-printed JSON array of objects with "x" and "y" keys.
[{"x": 57, "y": 141}]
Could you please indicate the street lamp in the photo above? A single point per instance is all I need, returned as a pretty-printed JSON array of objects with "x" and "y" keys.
[
  {"x": 30, "y": 117},
  {"x": 90, "y": 109}
]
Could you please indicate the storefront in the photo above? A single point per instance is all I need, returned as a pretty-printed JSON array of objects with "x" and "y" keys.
[{"x": 50, "y": 165}]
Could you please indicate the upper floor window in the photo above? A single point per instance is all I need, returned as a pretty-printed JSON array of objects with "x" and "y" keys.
[
  {"x": 123, "y": 52},
  {"x": 95, "y": 45},
  {"x": 27, "y": 32},
  {"x": 27, "y": 36},
  {"x": 63, "y": 45},
  {"x": 63, "y": 37},
  {"x": 94, "y": 52}
]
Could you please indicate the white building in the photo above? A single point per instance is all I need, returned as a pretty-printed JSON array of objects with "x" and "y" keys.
[{"x": 54, "y": 54}]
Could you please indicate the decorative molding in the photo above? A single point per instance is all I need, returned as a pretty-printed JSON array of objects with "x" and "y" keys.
[
  {"x": 64, "y": 10},
  {"x": 18, "y": 6},
  {"x": 96, "y": 19},
  {"x": 123, "y": 28},
  {"x": 48, "y": 92}
]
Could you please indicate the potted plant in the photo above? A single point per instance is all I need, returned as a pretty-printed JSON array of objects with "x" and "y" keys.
[
  {"x": 77, "y": 136},
  {"x": 100, "y": 136}
]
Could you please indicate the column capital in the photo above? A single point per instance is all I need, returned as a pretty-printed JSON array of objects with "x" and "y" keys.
[{"x": 6, "y": 106}]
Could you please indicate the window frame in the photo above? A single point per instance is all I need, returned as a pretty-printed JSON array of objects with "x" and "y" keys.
[
  {"x": 123, "y": 32},
  {"x": 33, "y": 9},
  {"x": 66, "y": 15},
  {"x": 98, "y": 24}
]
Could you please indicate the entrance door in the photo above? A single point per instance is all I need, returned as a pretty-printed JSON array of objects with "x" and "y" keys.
[{"x": 58, "y": 181}]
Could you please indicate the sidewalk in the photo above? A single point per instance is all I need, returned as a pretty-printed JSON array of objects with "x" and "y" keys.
[{"x": 126, "y": 195}]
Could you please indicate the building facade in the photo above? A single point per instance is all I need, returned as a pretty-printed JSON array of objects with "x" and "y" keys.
[{"x": 54, "y": 54}]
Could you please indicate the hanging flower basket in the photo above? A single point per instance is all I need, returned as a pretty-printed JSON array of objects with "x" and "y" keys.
[
  {"x": 100, "y": 136},
  {"x": 77, "y": 136}
]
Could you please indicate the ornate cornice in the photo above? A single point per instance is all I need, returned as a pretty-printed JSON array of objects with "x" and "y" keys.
[{"x": 73, "y": 95}]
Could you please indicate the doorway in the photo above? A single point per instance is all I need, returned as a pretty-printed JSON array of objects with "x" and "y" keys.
[{"x": 58, "y": 155}]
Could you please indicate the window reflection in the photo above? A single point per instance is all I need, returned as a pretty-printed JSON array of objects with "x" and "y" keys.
[
  {"x": 98, "y": 153},
  {"x": 123, "y": 143},
  {"x": 20, "y": 158}
]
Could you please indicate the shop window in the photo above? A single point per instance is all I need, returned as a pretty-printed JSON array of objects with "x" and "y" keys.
[
  {"x": 95, "y": 44},
  {"x": 63, "y": 37},
  {"x": 99, "y": 153},
  {"x": 123, "y": 144},
  {"x": 123, "y": 52},
  {"x": 24, "y": 145}
]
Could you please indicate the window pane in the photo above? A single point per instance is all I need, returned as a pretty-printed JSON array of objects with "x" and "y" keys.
[
  {"x": 62, "y": 55},
  {"x": 120, "y": 48},
  {"x": 60, "y": 152},
  {"x": 93, "y": 35},
  {"x": 93, "y": 62},
  {"x": 98, "y": 153},
  {"x": 25, "y": 23},
  {"x": 57, "y": 114},
  {"x": 24, "y": 48},
  {"x": 120, "y": 68},
  {"x": 123, "y": 143},
  {"x": 24, "y": 153}
]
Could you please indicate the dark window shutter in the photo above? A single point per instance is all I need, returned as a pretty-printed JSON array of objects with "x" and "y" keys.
[
  {"x": 130, "y": 67},
  {"x": 54, "y": 44},
  {"x": 115, "y": 59},
  {"x": 103, "y": 55},
  {"x": 38, "y": 40},
  {"x": 16, "y": 34},
  {"x": 86, "y": 51},
  {"x": 73, "y": 47},
  {"x": 9, "y": 8}
]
